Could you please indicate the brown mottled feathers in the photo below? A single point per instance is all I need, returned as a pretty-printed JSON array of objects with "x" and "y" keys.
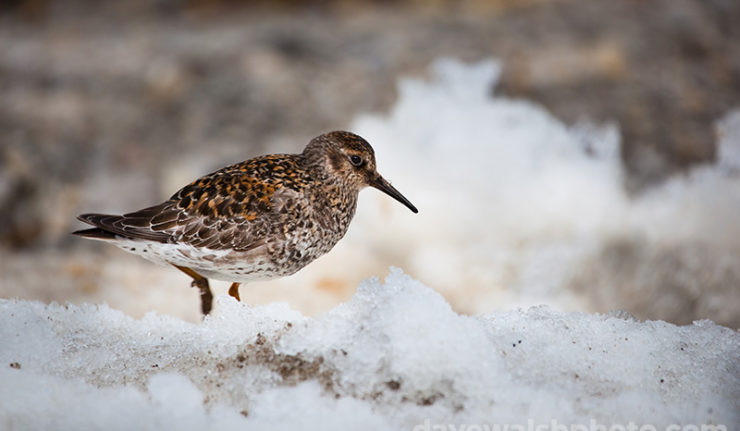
[{"x": 232, "y": 208}]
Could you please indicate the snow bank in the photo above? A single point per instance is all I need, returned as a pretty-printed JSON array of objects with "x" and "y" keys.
[{"x": 394, "y": 357}]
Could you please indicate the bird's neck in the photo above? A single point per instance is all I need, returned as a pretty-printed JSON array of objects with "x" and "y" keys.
[
  {"x": 334, "y": 197},
  {"x": 334, "y": 201}
]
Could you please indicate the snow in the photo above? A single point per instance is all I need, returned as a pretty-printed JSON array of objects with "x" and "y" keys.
[
  {"x": 516, "y": 209},
  {"x": 394, "y": 356}
]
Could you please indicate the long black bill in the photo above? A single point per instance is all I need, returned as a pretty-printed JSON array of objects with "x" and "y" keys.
[{"x": 384, "y": 186}]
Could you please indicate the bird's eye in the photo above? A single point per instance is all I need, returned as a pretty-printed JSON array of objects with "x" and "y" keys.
[{"x": 356, "y": 160}]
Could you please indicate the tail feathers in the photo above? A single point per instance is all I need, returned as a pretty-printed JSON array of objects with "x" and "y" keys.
[
  {"x": 100, "y": 221},
  {"x": 108, "y": 227},
  {"x": 96, "y": 233}
]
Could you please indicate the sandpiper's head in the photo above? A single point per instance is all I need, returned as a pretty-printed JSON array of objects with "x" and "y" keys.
[{"x": 351, "y": 158}]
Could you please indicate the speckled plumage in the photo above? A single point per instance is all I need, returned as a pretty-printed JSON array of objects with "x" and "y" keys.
[{"x": 259, "y": 219}]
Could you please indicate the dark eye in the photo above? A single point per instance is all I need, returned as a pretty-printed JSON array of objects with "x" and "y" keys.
[{"x": 356, "y": 160}]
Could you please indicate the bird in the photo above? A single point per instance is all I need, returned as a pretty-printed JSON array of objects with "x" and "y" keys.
[{"x": 260, "y": 219}]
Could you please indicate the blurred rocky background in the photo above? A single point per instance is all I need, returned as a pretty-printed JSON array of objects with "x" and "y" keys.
[{"x": 112, "y": 106}]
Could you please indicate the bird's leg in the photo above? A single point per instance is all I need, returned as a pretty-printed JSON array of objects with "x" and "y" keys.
[
  {"x": 234, "y": 290},
  {"x": 206, "y": 297}
]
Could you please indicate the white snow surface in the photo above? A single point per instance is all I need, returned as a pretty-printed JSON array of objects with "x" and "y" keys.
[{"x": 395, "y": 356}]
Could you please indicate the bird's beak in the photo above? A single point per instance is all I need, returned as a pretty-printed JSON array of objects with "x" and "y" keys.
[{"x": 384, "y": 186}]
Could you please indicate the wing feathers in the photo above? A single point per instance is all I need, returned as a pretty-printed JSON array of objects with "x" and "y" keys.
[
  {"x": 132, "y": 225},
  {"x": 236, "y": 208}
]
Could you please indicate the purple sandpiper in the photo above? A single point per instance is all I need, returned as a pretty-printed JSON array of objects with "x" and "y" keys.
[{"x": 263, "y": 218}]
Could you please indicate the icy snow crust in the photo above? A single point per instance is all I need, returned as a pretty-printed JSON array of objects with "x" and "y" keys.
[{"x": 394, "y": 356}]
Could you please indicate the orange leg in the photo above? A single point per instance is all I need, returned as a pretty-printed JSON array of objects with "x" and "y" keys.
[
  {"x": 206, "y": 297},
  {"x": 234, "y": 290}
]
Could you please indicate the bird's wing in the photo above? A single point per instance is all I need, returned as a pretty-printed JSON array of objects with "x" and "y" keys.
[
  {"x": 239, "y": 229},
  {"x": 237, "y": 207}
]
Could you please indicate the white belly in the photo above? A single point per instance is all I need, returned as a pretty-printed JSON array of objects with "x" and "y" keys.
[{"x": 225, "y": 265}]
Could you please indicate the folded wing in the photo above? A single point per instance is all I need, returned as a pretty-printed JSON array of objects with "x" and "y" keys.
[{"x": 223, "y": 210}]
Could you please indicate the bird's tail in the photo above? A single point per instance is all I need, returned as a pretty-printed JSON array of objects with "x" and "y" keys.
[
  {"x": 135, "y": 226},
  {"x": 98, "y": 232}
]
